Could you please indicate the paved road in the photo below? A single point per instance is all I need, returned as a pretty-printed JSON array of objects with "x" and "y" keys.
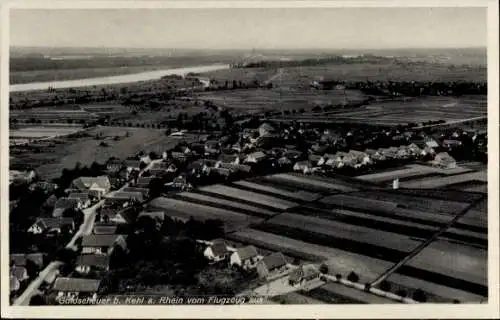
[{"x": 85, "y": 229}]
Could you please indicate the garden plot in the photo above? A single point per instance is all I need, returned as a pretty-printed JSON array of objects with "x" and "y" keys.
[
  {"x": 233, "y": 204},
  {"x": 339, "y": 261},
  {"x": 298, "y": 195},
  {"x": 306, "y": 181},
  {"x": 354, "y": 202},
  {"x": 408, "y": 172},
  {"x": 440, "y": 182},
  {"x": 249, "y": 196}
]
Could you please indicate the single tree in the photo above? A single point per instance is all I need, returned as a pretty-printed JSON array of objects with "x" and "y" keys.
[{"x": 353, "y": 277}]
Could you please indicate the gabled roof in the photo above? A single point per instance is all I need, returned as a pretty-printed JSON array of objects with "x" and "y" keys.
[
  {"x": 93, "y": 260},
  {"x": 125, "y": 195},
  {"x": 105, "y": 229},
  {"x": 84, "y": 183},
  {"x": 76, "y": 284},
  {"x": 49, "y": 223},
  {"x": 219, "y": 248},
  {"x": 144, "y": 191},
  {"x": 132, "y": 163},
  {"x": 236, "y": 167},
  {"x": 274, "y": 260},
  {"x": 99, "y": 240},
  {"x": 66, "y": 203},
  {"x": 82, "y": 196},
  {"x": 19, "y": 272},
  {"x": 257, "y": 155},
  {"x": 247, "y": 252}
]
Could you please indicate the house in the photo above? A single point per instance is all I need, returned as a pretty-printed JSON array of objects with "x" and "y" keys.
[
  {"x": 102, "y": 243},
  {"x": 245, "y": 257},
  {"x": 158, "y": 168},
  {"x": 223, "y": 172},
  {"x": 104, "y": 228},
  {"x": 178, "y": 184},
  {"x": 266, "y": 129},
  {"x": 45, "y": 186},
  {"x": 216, "y": 252},
  {"x": 83, "y": 199},
  {"x": 302, "y": 275},
  {"x": 76, "y": 287},
  {"x": 444, "y": 160},
  {"x": 52, "y": 225},
  {"x": 235, "y": 167},
  {"x": 17, "y": 275},
  {"x": 64, "y": 204},
  {"x": 229, "y": 158},
  {"x": 304, "y": 167},
  {"x": 118, "y": 216},
  {"x": 95, "y": 186},
  {"x": 314, "y": 159},
  {"x": 143, "y": 182},
  {"x": 179, "y": 156},
  {"x": 375, "y": 154},
  {"x": 21, "y": 176},
  {"x": 113, "y": 166},
  {"x": 132, "y": 165},
  {"x": 20, "y": 259},
  {"x": 144, "y": 191},
  {"x": 431, "y": 142},
  {"x": 146, "y": 159},
  {"x": 360, "y": 157},
  {"x": 92, "y": 262},
  {"x": 124, "y": 197},
  {"x": 272, "y": 264},
  {"x": 451, "y": 143},
  {"x": 284, "y": 162},
  {"x": 256, "y": 157}
]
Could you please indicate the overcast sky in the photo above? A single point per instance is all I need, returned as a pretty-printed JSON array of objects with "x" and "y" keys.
[{"x": 336, "y": 28}]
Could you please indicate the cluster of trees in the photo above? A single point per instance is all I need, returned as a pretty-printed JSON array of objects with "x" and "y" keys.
[
  {"x": 161, "y": 255},
  {"x": 411, "y": 88},
  {"x": 306, "y": 62}
]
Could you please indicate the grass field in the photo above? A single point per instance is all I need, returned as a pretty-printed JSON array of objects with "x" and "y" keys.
[
  {"x": 39, "y": 132},
  {"x": 66, "y": 152},
  {"x": 298, "y": 195},
  {"x": 407, "y": 172},
  {"x": 335, "y": 293},
  {"x": 313, "y": 183}
]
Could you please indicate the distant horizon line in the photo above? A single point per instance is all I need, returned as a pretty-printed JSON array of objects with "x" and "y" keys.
[{"x": 236, "y": 49}]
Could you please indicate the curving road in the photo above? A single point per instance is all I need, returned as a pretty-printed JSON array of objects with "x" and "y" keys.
[{"x": 85, "y": 229}]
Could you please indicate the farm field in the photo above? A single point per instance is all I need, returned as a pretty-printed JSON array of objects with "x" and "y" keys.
[
  {"x": 39, "y": 132},
  {"x": 435, "y": 292},
  {"x": 56, "y": 114},
  {"x": 407, "y": 172},
  {"x": 339, "y": 261},
  {"x": 249, "y": 196},
  {"x": 66, "y": 152},
  {"x": 186, "y": 209},
  {"x": 418, "y": 110},
  {"x": 234, "y": 205},
  {"x": 335, "y": 293},
  {"x": 431, "y": 183},
  {"x": 456, "y": 261},
  {"x": 312, "y": 183},
  {"x": 343, "y": 233},
  {"x": 298, "y": 195}
]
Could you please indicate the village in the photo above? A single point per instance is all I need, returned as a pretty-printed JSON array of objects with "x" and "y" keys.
[{"x": 95, "y": 215}]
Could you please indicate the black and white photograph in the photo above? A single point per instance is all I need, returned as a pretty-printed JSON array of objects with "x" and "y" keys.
[{"x": 249, "y": 156}]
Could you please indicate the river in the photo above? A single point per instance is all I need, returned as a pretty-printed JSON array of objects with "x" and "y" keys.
[{"x": 126, "y": 78}]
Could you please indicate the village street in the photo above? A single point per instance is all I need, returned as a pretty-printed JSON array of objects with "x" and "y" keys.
[{"x": 85, "y": 229}]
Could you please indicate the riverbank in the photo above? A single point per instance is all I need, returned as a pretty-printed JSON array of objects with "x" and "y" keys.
[{"x": 116, "y": 79}]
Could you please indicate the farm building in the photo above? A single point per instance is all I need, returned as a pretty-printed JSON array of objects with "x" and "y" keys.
[
  {"x": 20, "y": 259},
  {"x": 132, "y": 165},
  {"x": 45, "y": 186},
  {"x": 125, "y": 198},
  {"x": 82, "y": 197},
  {"x": 118, "y": 216},
  {"x": 270, "y": 265},
  {"x": 102, "y": 243},
  {"x": 304, "y": 167},
  {"x": 17, "y": 276},
  {"x": 49, "y": 225},
  {"x": 216, "y": 252},
  {"x": 256, "y": 157},
  {"x": 445, "y": 161},
  {"x": 245, "y": 257},
  {"x": 302, "y": 275},
  {"x": 91, "y": 262},
  {"x": 114, "y": 166},
  {"x": 143, "y": 182},
  {"x": 76, "y": 287},
  {"x": 64, "y": 204},
  {"x": 266, "y": 129},
  {"x": 144, "y": 191},
  {"x": 104, "y": 228},
  {"x": 95, "y": 186}
]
